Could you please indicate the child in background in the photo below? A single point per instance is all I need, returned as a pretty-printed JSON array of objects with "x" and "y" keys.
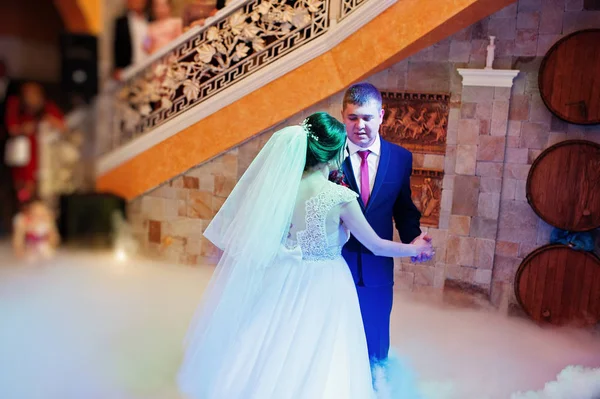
[{"x": 35, "y": 236}]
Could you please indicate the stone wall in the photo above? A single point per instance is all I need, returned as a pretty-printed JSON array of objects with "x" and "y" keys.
[{"x": 494, "y": 134}]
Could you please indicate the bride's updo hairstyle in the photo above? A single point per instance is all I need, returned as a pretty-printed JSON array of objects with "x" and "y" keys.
[{"x": 326, "y": 139}]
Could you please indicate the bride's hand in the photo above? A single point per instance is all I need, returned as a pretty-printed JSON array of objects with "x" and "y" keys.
[{"x": 424, "y": 252}]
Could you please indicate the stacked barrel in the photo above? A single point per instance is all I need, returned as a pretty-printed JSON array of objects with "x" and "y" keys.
[{"x": 557, "y": 284}]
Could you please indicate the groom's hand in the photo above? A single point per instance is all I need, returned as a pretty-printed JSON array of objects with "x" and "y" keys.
[{"x": 423, "y": 239}]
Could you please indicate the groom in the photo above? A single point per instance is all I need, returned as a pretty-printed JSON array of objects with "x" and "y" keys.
[{"x": 379, "y": 172}]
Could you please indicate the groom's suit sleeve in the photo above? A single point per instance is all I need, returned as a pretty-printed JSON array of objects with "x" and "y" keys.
[{"x": 406, "y": 215}]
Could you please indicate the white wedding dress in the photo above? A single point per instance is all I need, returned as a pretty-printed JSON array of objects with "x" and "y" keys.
[
  {"x": 302, "y": 335},
  {"x": 280, "y": 318}
]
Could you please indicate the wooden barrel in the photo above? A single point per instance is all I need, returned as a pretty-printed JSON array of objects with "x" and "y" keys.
[
  {"x": 568, "y": 78},
  {"x": 563, "y": 186},
  {"x": 558, "y": 285}
]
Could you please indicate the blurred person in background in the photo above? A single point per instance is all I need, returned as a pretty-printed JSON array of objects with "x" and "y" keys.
[
  {"x": 24, "y": 114},
  {"x": 131, "y": 29},
  {"x": 35, "y": 236},
  {"x": 164, "y": 28}
]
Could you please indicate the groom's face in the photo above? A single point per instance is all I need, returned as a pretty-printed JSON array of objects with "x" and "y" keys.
[{"x": 362, "y": 122}]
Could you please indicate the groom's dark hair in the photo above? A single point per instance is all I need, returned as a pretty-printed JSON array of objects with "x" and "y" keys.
[{"x": 362, "y": 94}]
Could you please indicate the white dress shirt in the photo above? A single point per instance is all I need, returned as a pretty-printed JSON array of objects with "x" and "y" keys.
[
  {"x": 138, "y": 30},
  {"x": 373, "y": 160}
]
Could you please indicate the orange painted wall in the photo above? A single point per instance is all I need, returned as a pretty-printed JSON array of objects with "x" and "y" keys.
[{"x": 81, "y": 16}]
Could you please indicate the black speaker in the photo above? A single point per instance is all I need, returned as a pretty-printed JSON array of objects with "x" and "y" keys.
[
  {"x": 79, "y": 65},
  {"x": 87, "y": 218}
]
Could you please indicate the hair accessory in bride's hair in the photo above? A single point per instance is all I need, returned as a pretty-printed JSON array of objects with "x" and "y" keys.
[{"x": 307, "y": 127}]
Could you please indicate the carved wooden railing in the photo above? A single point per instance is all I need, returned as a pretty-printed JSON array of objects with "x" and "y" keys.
[
  {"x": 347, "y": 6},
  {"x": 242, "y": 39}
]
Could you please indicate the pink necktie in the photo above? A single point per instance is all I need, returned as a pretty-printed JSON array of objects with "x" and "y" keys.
[{"x": 365, "y": 187}]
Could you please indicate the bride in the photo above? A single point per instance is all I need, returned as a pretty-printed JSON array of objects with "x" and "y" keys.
[{"x": 280, "y": 318}]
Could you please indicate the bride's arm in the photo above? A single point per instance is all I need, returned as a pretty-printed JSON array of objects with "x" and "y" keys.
[{"x": 354, "y": 219}]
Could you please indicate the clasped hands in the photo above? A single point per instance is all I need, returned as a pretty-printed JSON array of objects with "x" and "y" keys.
[{"x": 425, "y": 245}]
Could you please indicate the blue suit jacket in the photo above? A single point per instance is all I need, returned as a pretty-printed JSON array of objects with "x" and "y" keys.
[{"x": 390, "y": 203}]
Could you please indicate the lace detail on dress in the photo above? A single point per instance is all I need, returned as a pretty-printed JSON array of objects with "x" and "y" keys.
[{"x": 313, "y": 240}]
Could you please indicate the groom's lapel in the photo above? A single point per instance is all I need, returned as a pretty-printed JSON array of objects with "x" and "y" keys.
[{"x": 382, "y": 168}]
